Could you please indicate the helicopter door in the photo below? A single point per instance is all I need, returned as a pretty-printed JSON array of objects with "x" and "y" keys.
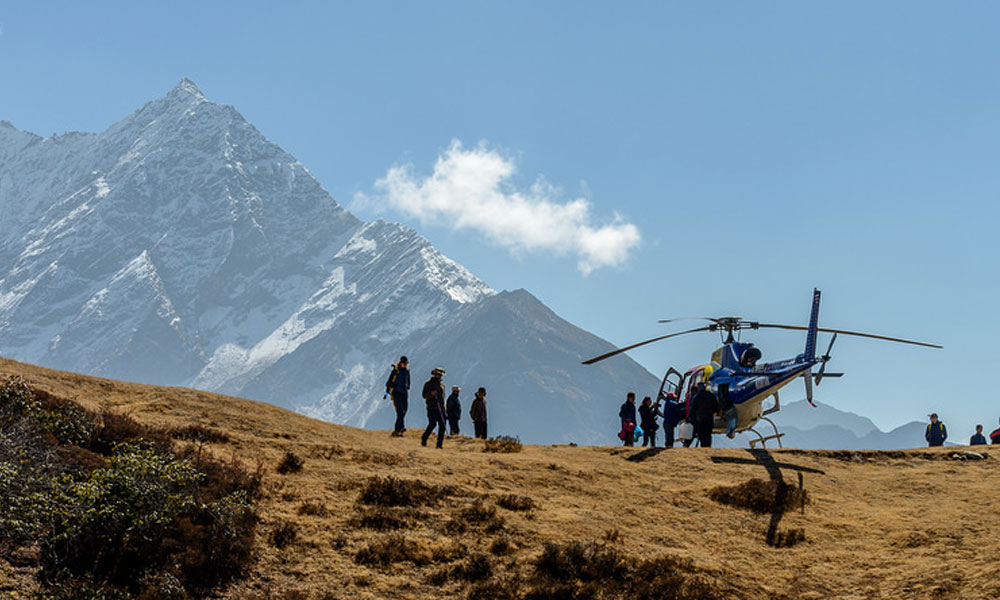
[{"x": 671, "y": 384}]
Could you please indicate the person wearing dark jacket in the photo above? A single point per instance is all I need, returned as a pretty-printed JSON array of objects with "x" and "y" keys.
[
  {"x": 647, "y": 420},
  {"x": 627, "y": 414},
  {"x": 670, "y": 420},
  {"x": 398, "y": 387},
  {"x": 995, "y": 436},
  {"x": 704, "y": 405},
  {"x": 478, "y": 413},
  {"x": 936, "y": 433},
  {"x": 433, "y": 394},
  {"x": 978, "y": 439},
  {"x": 453, "y": 410}
]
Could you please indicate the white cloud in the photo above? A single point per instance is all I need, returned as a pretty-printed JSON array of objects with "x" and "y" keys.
[{"x": 471, "y": 189}]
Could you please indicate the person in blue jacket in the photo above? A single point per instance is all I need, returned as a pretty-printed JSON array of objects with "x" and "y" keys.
[
  {"x": 627, "y": 415},
  {"x": 398, "y": 387},
  {"x": 936, "y": 433},
  {"x": 978, "y": 439}
]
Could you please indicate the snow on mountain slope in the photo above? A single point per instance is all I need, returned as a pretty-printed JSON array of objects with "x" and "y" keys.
[{"x": 182, "y": 247}]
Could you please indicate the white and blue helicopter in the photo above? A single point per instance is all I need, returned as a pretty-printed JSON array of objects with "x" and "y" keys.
[{"x": 736, "y": 378}]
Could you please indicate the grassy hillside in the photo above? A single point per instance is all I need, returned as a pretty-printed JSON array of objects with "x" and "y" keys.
[{"x": 913, "y": 524}]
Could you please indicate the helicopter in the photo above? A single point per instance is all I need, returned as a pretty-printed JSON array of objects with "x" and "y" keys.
[{"x": 736, "y": 378}]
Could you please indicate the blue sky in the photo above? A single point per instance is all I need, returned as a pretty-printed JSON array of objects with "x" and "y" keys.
[{"x": 761, "y": 150}]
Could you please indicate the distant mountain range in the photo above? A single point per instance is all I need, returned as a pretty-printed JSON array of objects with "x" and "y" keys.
[
  {"x": 182, "y": 247},
  {"x": 826, "y": 427}
]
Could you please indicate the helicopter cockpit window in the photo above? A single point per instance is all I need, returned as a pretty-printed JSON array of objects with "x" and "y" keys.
[{"x": 749, "y": 358}]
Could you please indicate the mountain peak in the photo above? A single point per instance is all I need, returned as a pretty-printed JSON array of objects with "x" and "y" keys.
[{"x": 187, "y": 88}]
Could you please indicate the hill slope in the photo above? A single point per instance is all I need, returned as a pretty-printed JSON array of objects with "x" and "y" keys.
[{"x": 914, "y": 524}]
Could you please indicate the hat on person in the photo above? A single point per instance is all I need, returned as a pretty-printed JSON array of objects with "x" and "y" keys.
[
  {"x": 933, "y": 415},
  {"x": 455, "y": 388},
  {"x": 437, "y": 371}
]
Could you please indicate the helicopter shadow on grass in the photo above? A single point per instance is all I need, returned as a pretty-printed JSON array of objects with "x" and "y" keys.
[{"x": 762, "y": 457}]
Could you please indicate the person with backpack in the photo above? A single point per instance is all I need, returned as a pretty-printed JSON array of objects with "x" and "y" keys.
[
  {"x": 433, "y": 394},
  {"x": 936, "y": 432},
  {"x": 478, "y": 413},
  {"x": 647, "y": 421},
  {"x": 703, "y": 408},
  {"x": 995, "y": 436},
  {"x": 398, "y": 388},
  {"x": 627, "y": 414},
  {"x": 453, "y": 410}
]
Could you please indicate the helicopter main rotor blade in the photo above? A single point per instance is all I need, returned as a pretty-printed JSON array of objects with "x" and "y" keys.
[
  {"x": 650, "y": 341},
  {"x": 712, "y": 319},
  {"x": 845, "y": 332}
]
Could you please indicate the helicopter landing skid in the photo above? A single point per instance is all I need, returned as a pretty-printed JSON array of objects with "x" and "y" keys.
[{"x": 763, "y": 439}]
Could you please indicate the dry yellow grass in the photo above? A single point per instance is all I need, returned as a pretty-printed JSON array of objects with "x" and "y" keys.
[{"x": 908, "y": 524}]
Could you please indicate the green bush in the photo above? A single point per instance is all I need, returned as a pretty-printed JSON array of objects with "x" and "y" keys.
[{"x": 112, "y": 508}]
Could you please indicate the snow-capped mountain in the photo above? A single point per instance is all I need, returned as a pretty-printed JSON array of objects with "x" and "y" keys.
[{"x": 182, "y": 247}]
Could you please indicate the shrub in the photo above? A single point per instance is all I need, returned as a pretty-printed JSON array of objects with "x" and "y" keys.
[
  {"x": 761, "y": 496},
  {"x": 290, "y": 463},
  {"x": 391, "y": 491},
  {"x": 503, "y": 444},
  {"x": 577, "y": 561},
  {"x": 515, "y": 502},
  {"x": 577, "y": 570},
  {"x": 144, "y": 520}
]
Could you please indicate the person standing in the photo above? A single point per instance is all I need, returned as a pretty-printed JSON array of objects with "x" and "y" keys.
[
  {"x": 647, "y": 420},
  {"x": 978, "y": 439},
  {"x": 995, "y": 436},
  {"x": 627, "y": 414},
  {"x": 669, "y": 419},
  {"x": 704, "y": 405},
  {"x": 453, "y": 410},
  {"x": 936, "y": 433},
  {"x": 433, "y": 394},
  {"x": 478, "y": 413},
  {"x": 398, "y": 387}
]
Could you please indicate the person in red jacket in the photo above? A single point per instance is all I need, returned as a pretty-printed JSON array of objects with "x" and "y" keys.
[{"x": 995, "y": 436}]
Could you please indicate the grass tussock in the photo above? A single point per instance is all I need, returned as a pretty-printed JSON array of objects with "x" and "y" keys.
[
  {"x": 503, "y": 444},
  {"x": 514, "y": 502},
  {"x": 284, "y": 534},
  {"x": 581, "y": 571},
  {"x": 397, "y": 548},
  {"x": 480, "y": 515},
  {"x": 382, "y": 518},
  {"x": 199, "y": 433},
  {"x": 290, "y": 463},
  {"x": 392, "y": 491},
  {"x": 476, "y": 567},
  {"x": 761, "y": 496},
  {"x": 313, "y": 509}
]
